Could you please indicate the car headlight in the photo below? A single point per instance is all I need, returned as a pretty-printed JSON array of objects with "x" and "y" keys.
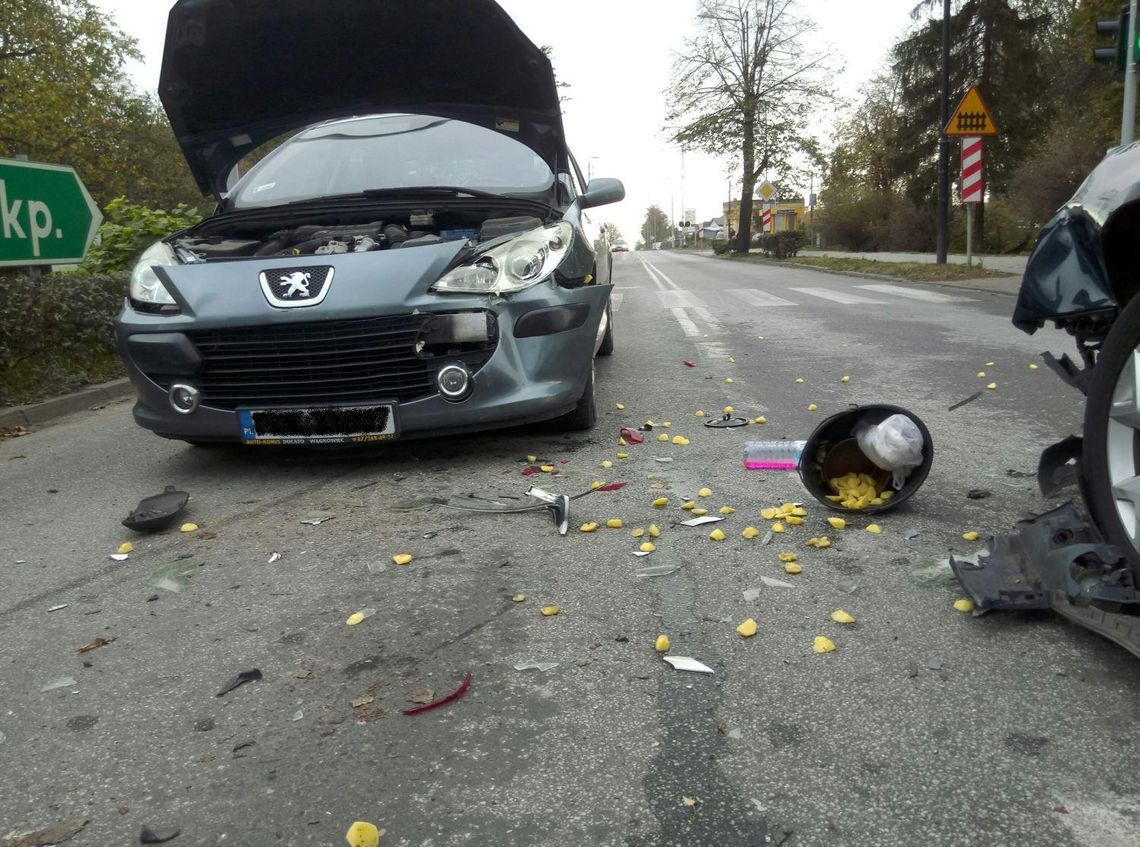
[
  {"x": 519, "y": 263},
  {"x": 146, "y": 287}
]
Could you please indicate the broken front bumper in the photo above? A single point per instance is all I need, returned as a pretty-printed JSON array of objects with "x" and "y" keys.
[
  {"x": 532, "y": 363},
  {"x": 1057, "y": 561}
]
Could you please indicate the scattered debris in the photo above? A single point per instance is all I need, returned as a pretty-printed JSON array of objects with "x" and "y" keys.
[
  {"x": 840, "y": 616},
  {"x": 656, "y": 570},
  {"x": 647, "y": 547},
  {"x": 157, "y": 512},
  {"x": 613, "y": 486},
  {"x": 662, "y": 645},
  {"x": 702, "y": 520},
  {"x": 663, "y": 460},
  {"x": 685, "y": 663},
  {"x": 979, "y": 493},
  {"x": 430, "y": 535},
  {"x": 689, "y": 363},
  {"x": 542, "y": 667},
  {"x": 317, "y": 518},
  {"x": 188, "y": 527},
  {"x": 970, "y": 536},
  {"x": 174, "y": 576},
  {"x": 125, "y": 547},
  {"x": 158, "y": 836},
  {"x": 518, "y": 598},
  {"x": 59, "y": 682},
  {"x": 363, "y": 701},
  {"x": 302, "y": 673},
  {"x": 435, "y": 704},
  {"x": 59, "y": 607},
  {"x": 747, "y": 629},
  {"x": 937, "y": 574},
  {"x": 910, "y": 534},
  {"x": 94, "y": 645},
  {"x": 776, "y": 583},
  {"x": 823, "y": 644},
  {"x": 690, "y": 801},
  {"x": 934, "y": 664},
  {"x": 793, "y": 568},
  {"x": 362, "y": 834},
  {"x": 962, "y": 403},
  {"x": 964, "y": 605},
  {"x": 273, "y": 557},
  {"x": 55, "y": 833},
  {"x": 632, "y": 436},
  {"x": 751, "y": 595},
  {"x": 550, "y": 611},
  {"x": 119, "y": 557},
  {"x": 726, "y": 422},
  {"x": 402, "y": 559},
  {"x": 241, "y": 679},
  {"x": 297, "y": 715},
  {"x": 717, "y": 534},
  {"x": 357, "y": 617}
]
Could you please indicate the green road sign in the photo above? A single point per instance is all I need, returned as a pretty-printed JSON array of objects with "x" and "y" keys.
[{"x": 46, "y": 215}]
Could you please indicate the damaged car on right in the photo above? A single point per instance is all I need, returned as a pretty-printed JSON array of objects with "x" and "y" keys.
[{"x": 1083, "y": 276}]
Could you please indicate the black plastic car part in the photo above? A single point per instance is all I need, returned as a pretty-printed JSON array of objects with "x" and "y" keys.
[
  {"x": 157, "y": 512},
  {"x": 1057, "y": 561}
]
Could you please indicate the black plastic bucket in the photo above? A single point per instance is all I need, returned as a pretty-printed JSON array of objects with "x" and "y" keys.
[{"x": 833, "y": 447}]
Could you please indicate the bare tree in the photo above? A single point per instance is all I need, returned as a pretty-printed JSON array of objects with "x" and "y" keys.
[{"x": 744, "y": 86}]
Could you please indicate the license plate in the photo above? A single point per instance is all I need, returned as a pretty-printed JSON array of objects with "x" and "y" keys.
[{"x": 336, "y": 425}]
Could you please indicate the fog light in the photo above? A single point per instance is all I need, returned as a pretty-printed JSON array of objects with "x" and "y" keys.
[
  {"x": 184, "y": 398},
  {"x": 454, "y": 382}
]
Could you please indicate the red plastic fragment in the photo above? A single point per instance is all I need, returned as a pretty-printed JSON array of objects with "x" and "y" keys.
[
  {"x": 632, "y": 436},
  {"x": 565, "y": 461},
  {"x": 614, "y": 486},
  {"x": 689, "y": 364},
  {"x": 530, "y": 470},
  {"x": 1061, "y": 810},
  {"x": 435, "y": 704}
]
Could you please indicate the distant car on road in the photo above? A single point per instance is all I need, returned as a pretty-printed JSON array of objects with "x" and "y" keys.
[
  {"x": 416, "y": 260},
  {"x": 620, "y": 246}
]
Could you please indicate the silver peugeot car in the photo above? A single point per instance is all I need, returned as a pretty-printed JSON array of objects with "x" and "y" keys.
[{"x": 417, "y": 258}]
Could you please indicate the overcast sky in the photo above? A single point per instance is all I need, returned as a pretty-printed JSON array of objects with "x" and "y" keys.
[{"x": 616, "y": 55}]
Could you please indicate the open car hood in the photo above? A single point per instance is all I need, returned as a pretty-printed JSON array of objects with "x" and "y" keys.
[
  {"x": 239, "y": 73},
  {"x": 1084, "y": 260}
]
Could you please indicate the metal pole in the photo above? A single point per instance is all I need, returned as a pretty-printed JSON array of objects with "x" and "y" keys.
[
  {"x": 944, "y": 142},
  {"x": 970, "y": 234},
  {"x": 1128, "y": 115}
]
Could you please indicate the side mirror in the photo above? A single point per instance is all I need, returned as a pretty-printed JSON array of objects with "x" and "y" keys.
[{"x": 602, "y": 192}]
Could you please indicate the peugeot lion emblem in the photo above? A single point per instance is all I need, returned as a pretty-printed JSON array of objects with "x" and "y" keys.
[{"x": 288, "y": 288}]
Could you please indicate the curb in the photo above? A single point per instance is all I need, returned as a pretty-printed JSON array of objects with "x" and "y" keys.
[
  {"x": 967, "y": 284},
  {"x": 35, "y": 414}
]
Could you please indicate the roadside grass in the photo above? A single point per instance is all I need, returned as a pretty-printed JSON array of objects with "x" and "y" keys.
[
  {"x": 52, "y": 373},
  {"x": 912, "y": 271}
]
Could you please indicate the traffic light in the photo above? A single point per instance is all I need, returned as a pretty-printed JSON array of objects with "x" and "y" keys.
[{"x": 1119, "y": 54}]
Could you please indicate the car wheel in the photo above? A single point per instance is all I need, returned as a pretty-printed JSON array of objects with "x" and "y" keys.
[
  {"x": 585, "y": 414},
  {"x": 1110, "y": 461},
  {"x": 607, "y": 347}
]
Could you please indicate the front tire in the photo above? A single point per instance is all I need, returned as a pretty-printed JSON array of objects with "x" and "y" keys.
[
  {"x": 585, "y": 414},
  {"x": 1110, "y": 460},
  {"x": 607, "y": 346}
]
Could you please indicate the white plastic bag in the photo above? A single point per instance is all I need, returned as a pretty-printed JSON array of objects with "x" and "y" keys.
[{"x": 894, "y": 445}]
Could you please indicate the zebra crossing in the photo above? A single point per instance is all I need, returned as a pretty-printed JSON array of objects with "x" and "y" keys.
[{"x": 690, "y": 311}]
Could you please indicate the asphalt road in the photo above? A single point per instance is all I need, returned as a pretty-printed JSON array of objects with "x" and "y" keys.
[{"x": 925, "y": 726}]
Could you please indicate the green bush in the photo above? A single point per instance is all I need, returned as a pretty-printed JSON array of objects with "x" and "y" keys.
[
  {"x": 781, "y": 245},
  {"x": 720, "y": 248},
  {"x": 57, "y": 332},
  {"x": 128, "y": 229}
]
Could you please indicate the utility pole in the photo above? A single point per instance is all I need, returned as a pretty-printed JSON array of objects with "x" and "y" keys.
[
  {"x": 1128, "y": 115},
  {"x": 944, "y": 142}
]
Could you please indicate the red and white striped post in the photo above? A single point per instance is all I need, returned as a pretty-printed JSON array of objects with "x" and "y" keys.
[{"x": 973, "y": 188}]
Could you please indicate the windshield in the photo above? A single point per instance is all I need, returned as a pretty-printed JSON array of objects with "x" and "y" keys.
[{"x": 392, "y": 151}]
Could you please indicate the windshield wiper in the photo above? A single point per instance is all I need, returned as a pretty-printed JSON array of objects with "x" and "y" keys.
[{"x": 447, "y": 190}]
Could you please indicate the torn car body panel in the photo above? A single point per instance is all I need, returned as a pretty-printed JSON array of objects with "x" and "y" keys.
[
  {"x": 1057, "y": 561},
  {"x": 1083, "y": 263}
]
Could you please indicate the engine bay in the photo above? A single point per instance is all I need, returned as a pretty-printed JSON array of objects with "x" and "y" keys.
[{"x": 223, "y": 238}]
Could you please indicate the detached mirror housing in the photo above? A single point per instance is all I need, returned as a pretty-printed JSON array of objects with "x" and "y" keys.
[{"x": 601, "y": 192}]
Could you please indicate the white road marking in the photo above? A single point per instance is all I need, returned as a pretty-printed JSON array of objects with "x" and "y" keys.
[
  {"x": 915, "y": 294},
  {"x": 706, "y": 315},
  {"x": 680, "y": 299},
  {"x": 839, "y": 297},
  {"x": 686, "y": 323},
  {"x": 759, "y": 298}
]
